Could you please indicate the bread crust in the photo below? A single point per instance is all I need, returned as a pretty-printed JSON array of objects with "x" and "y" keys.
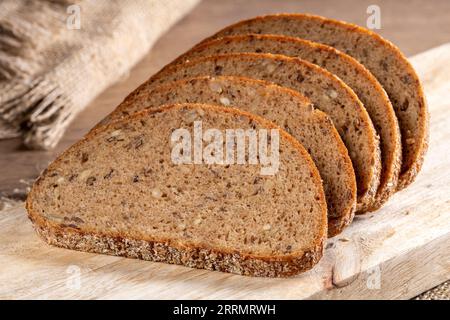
[
  {"x": 391, "y": 151},
  {"x": 173, "y": 251},
  {"x": 189, "y": 256},
  {"x": 411, "y": 165}
]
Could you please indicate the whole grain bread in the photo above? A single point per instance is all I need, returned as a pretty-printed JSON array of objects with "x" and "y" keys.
[
  {"x": 381, "y": 57},
  {"x": 326, "y": 91},
  {"x": 354, "y": 74},
  {"x": 286, "y": 108},
  {"x": 213, "y": 216}
]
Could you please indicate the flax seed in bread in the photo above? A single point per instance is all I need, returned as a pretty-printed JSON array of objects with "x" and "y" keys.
[
  {"x": 218, "y": 217},
  {"x": 381, "y": 57},
  {"x": 286, "y": 108},
  {"x": 354, "y": 74},
  {"x": 326, "y": 91}
]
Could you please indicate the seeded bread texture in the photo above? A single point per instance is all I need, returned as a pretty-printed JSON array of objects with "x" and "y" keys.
[
  {"x": 286, "y": 108},
  {"x": 142, "y": 205},
  {"x": 380, "y": 56},
  {"x": 327, "y": 92},
  {"x": 354, "y": 74}
]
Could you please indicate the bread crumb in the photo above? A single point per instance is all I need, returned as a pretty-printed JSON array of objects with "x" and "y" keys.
[
  {"x": 191, "y": 116},
  {"x": 200, "y": 112},
  {"x": 225, "y": 101},
  {"x": 267, "y": 227},
  {"x": 215, "y": 86},
  {"x": 271, "y": 67},
  {"x": 115, "y": 133},
  {"x": 332, "y": 94},
  {"x": 85, "y": 174},
  {"x": 156, "y": 193}
]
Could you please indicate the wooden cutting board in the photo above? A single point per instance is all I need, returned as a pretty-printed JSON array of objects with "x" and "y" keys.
[{"x": 397, "y": 252}]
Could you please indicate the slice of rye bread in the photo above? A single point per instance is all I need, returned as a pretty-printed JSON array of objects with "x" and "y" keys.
[
  {"x": 219, "y": 217},
  {"x": 286, "y": 108},
  {"x": 377, "y": 54},
  {"x": 326, "y": 91},
  {"x": 354, "y": 74}
]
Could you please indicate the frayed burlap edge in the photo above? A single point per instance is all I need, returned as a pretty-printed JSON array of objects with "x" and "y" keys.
[{"x": 49, "y": 73}]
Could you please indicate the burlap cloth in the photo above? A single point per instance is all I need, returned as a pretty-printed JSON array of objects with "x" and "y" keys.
[{"x": 50, "y": 69}]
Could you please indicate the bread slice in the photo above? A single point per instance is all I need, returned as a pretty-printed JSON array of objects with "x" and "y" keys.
[
  {"x": 213, "y": 216},
  {"x": 354, "y": 74},
  {"x": 286, "y": 108},
  {"x": 380, "y": 56},
  {"x": 327, "y": 92}
]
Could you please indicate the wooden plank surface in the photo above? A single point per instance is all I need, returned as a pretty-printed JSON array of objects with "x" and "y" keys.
[
  {"x": 413, "y": 25},
  {"x": 397, "y": 252}
]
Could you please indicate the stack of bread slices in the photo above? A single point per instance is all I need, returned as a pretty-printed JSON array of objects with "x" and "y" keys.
[{"x": 353, "y": 128}]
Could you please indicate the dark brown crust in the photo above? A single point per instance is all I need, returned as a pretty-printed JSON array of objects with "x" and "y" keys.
[
  {"x": 162, "y": 249},
  {"x": 335, "y": 225},
  {"x": 412, "y": 166},
  {"x": 408, "y": 176},
  {"x": 193, "y": 257},
  {"x": 392, "y": 166}
]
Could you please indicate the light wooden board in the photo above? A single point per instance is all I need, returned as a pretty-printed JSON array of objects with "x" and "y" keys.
[{"x": 397, "y": 252}]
